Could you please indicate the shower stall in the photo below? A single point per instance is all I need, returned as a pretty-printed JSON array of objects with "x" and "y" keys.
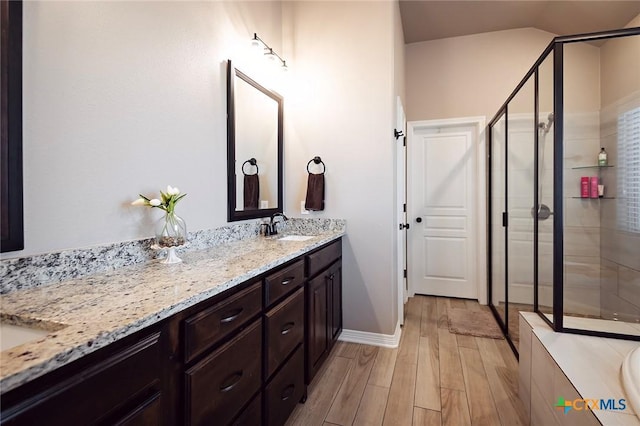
[{"x": 567, "y": 251}]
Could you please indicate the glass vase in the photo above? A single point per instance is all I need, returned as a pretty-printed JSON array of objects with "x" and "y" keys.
[{"x": 171, "y": 232}]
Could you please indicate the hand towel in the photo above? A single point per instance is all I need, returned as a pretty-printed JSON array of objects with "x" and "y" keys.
[
  {"x": 251, "y": 191},
  {"x": 315, "y": 192}
]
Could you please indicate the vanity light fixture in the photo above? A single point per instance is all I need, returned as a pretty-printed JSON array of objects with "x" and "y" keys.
[{"x": 271, "y": 54}]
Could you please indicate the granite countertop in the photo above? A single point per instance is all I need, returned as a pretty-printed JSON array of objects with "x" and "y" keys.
[{"x": 86, "y": 314}]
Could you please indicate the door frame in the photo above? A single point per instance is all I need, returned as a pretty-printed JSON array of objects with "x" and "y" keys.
[
  {"x": 401, "y": 213},
  {"x": 479, "y": 123}
]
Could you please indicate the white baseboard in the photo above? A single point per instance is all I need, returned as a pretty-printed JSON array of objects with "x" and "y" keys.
[{"x": 374, "y": 339}]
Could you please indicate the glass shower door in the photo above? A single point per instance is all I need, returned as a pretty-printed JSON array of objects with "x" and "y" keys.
[
  {"x": 546, "y": 127},
  {"x": 497, "y": 206},
  {"x": 521, "y": 127}
]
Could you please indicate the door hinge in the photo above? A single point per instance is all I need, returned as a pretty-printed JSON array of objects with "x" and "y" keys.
[
  {"x": 505, "y": 219},
  {"x": 404, "y": 142},
  {"x": 404, "y": 207},
  {"x": 404, "y": 274}
]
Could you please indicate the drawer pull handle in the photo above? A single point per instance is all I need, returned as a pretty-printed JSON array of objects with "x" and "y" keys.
[
  {"x": 231, "y": 316},
  {"x": 287, "y": 280},
  {"x": 231, "y": 381},
  {"x": 287, "y": 392},
  {"x": 287, "y": 328}
]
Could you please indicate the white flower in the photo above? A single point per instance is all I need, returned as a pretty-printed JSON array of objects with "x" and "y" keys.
[
  {"x": 154, "y": 202},
  {"x": 172, "y": 191},
  {"x": 139, "y": 202}
]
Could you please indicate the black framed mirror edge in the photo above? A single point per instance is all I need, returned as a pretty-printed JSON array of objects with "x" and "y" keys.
[
  {"x": 233, "y": 214},
  {"x": 11, "y": 193}
]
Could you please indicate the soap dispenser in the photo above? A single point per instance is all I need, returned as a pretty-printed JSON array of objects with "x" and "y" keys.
[{"x": 602, "y": 157}]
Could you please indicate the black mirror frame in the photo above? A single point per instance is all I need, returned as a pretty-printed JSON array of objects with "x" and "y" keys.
[
  {"x": 11, "y": 216},
  {"x": 233, "y": 214}
]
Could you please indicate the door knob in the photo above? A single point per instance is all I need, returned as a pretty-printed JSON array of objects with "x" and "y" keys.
[{"x": 419, "y": 219}]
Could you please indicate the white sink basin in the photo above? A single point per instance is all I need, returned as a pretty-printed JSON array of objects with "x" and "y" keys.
[
  {"x": 12, "y": 335},
  {"x": 295, "y": 238}
]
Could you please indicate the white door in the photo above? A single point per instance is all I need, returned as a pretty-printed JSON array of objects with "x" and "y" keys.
[
  {"x": 401, "y": 215},
  {"x": 442, "y": 210}
]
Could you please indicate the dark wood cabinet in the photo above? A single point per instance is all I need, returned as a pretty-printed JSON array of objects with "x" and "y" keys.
[
  {"x": 286, "y": 389},
  {"x": 251, "y": 415},
  {"x": 283, "y": 282},
  {"x": 120, "y": 386},
  {"x": 317, "y": 341},
  {"x": 284, "y": 331},
  {"x": 218, "y": 386},
  {"x": 335, "y": 298},
  {"x": 242, "y": 357},
  {"x": 323, "y": 305},
  {"x": 211, "y": 325}
]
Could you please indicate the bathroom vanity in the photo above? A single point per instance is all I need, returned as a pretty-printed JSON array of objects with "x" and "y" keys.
[{"x": 238, "y": 349}]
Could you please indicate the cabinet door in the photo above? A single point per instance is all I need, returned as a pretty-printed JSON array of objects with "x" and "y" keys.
[
  {"x": 335, "y": 309},
  {"x": 317, "y": 322}
]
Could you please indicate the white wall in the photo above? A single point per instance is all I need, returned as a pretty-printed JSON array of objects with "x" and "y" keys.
[
  {"x": 470, "y": 75},
  {"x": 341, "y": 107},
  {"x": 122, "y": 98}
]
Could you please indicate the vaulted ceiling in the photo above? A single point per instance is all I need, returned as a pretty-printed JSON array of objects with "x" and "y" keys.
[{"x": 430, "y": 20}]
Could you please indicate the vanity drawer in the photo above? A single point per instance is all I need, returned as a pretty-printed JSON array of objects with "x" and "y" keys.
[
  {"x": 251, "y": 414},
  {"x": 285, "y": 390},
  {"x": 221, "y": 384},
  {"x": 285, "y": 330},
  {"x": 324, "y": 257},
  {"x": 102, "y": 390},
  {"x": 284, "y": 281},
  {"x": 209, "y": 326}
]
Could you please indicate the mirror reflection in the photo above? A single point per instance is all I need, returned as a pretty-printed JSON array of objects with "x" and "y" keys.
[{"x": 254, "y": 148}]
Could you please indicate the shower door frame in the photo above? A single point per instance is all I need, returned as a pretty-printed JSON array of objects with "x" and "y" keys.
[{"x": 556, "y": 48}]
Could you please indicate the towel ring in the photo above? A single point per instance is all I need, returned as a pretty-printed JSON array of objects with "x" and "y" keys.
[
  {"x": 316, "y": 160},
  {"x": 253, "y": 162}
]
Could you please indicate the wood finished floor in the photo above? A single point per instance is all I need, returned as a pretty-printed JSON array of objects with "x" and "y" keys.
[{"x": 433, "y": 378}]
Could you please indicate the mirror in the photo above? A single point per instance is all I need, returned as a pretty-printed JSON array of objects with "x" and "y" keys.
[
  {"x": 11, "y": 200},
  {"x": 254, "y": 148}
]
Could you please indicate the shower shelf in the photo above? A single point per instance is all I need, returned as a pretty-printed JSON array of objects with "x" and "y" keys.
[
  {"x": 599, "y": 198},
  {"x": 591, "y": 167}
]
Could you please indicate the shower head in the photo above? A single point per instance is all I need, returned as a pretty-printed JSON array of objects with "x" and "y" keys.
[{"x": 546, "y": 127}]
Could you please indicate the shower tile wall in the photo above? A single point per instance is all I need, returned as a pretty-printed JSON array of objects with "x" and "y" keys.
[
  {"x": 581, "y": 216},
  {"x": 520, "y": 199}
]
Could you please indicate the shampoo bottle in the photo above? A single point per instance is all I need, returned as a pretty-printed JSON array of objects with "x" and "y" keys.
[{"x": 602, "y": 157}]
